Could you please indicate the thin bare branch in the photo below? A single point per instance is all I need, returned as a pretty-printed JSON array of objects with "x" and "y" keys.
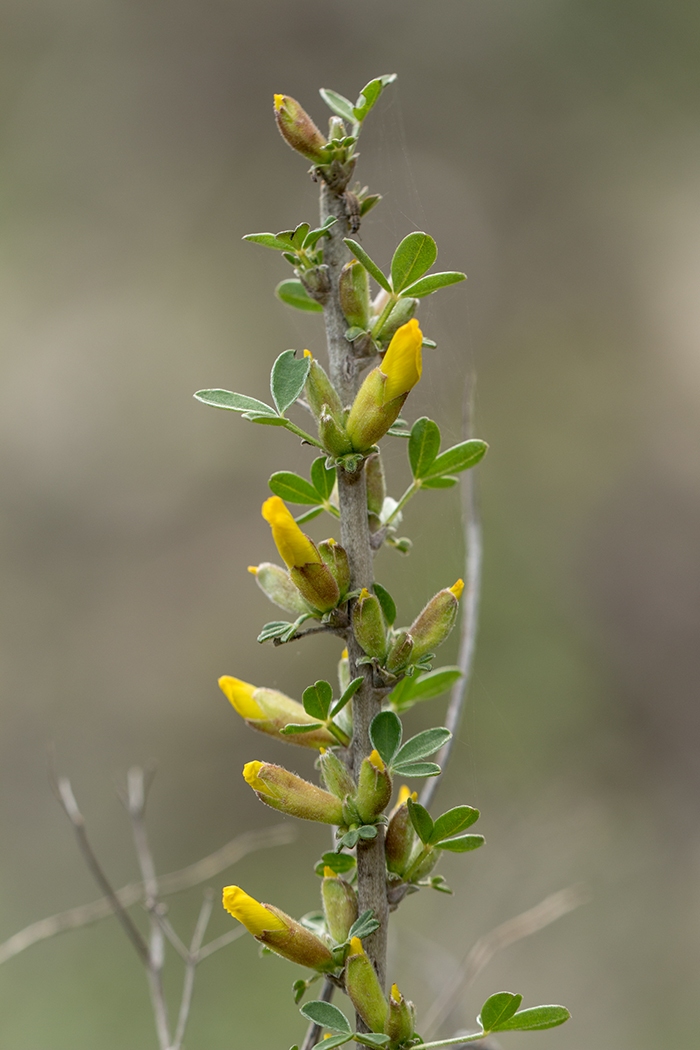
[
  {"x": 470, "y": 603},
  {"x": 174, "y": 882},
  {"x": 190, "y": 967},
  {"x": 515, "y": 929},
  {"x": 64, "y": 793},
  {"x": 137, "y": 786},
  {"x": 220, "y": 942}
]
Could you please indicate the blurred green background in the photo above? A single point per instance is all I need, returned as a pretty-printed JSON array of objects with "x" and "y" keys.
[{"x": 551, "y": 148}]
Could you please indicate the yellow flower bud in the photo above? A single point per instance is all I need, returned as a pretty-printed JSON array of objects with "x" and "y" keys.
[
  {"x": 269, "y": 711},
  {"x": 432, "y": 626},
  {"x": 402, "y": 364},
  {"x": 298, "y": 129},
  {"x": 285, "y": 791},
  {"x": 294, "y": 546},
  {"x": 278, "y": 931},
  {"x": 364, "y": 989}
]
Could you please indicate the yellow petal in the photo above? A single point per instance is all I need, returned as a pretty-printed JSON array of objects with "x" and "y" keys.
[
  {"x": 295, "y": 548},
  {"x": 457, "y": 589},
  {"x": 402, "y": 362},
  {"x": 328, "y": 873},
  {"x": 404, "y": 794},
  {"x": 250, "y": 775},
  {"x": 254, "y": 916},
  {"x": 344, "y": 655},
  {"x": 376, "y": 760},
  {"x": 307, "y": 353},
  {"x": 241, "y": 696},
  {"x": 395, "y": 993},
  {"x": 279, "y": 101},
  {"x": 356, "y": 946},
  {"x": 253, "y": 569}
]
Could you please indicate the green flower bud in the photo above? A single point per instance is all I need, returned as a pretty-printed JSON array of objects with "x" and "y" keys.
[
  {"x": 316, "y": 584},
  {"x": 336, "y": 129},
  {"x": 336, "y": 775},
  {"x": 353, "y": 290},
  {"x": 376, "y": 483},
  {"x": 274, "y": 581},
  {"x": 400, "y": 653},
  {"x": 285, "y": 791},
  {"x": 432, "y": 626},
  {"x": 320, "y": 392},
  {"x": 364, "y": 989},
  {"x": 298, "y": 129},
  {"x": 400, "y": 837},
  {"x": 317, "y": 282},
  {"x": 368, "y": 625},
  {"x": 339, "y": 905},
  {"x": 332, "y": 435},
  {"x": 400, "y": 315},
  {"x": 373, "y": 788},
  {"x": 336, "y": 559},
  {"x": 401, "y": 1019}
]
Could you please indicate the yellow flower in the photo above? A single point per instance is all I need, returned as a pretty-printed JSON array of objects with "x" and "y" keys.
[
  {"x": 256, "y": 918},
  {"x": 294, "y": 546},
  {"x": 402, "y": 364},
  {"x": 241, "y": 696},
  {"x": 269, "y": 711},
  {"x": 457, "y": 589}
]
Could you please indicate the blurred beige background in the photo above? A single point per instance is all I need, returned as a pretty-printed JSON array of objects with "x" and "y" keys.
[{"x": 552, "y": 150}]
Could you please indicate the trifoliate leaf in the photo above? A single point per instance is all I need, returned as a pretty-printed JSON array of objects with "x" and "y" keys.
[{"x": 413, "y": 257}]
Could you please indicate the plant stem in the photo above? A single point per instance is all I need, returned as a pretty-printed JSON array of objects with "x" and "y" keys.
[{"x": 355, "y": 538}]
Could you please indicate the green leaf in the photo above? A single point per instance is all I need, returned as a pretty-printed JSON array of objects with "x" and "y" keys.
[
  {"x": 462, "y": 844},
  {"x": 274, "y": 629},
  {"x": 234, "y": 402},
  {"x": 338, "y": 862},
  {"x": 460, "y": 457},
  {"x": 347, "y": 695},
  {"x": 368, "y": 203},
  {"x": 370, "y": 266},
  {"x": 387, "y": 603},
  {"x": 423, "y": 687},
  {"x": 299, "y": 235},
  {"x": 292, "y": 487},
  {"x": 315, "y": 235},
  {"x": 534, "y": 1019},
  {"x": 423, "y": 445},
  {"x": 458, "y": 819},
  {"x": 413, "y": 257},
  {"x": 329, "y": 1044},
  {"x": 370, "y": 1039},
  {"x": 369, "y": 95},
  {"x": 294, "y": 728},
  {"x": 298, "y": 988},
  {"x": 317, "y": 699},
  {"x": 327, "y": 1015},
  {"x": 423, "y": 744},
  {"x": 385, "y": 733},
  {"x": 368, "y": 831},
  {"x": 363, "y": 925},
  {"x": 431, "y": 283},
  {"x": 416, "y": 769},
  {"x": 421, "y": 820},
  {"x": 338, "y": 103},
  {"x": 349, "y": 840},
  {"x": 287, "y": 379},
  {"x": 268, "y": 240},
  {"x": 497, "y": 1009},
  {"x": 309, "y": 515},
  {"x": 445, "y": 482},
  {"x": 293, "y": 293},
  {"x": 322, "y": 477},
  {"x": 270, "y": 421}
]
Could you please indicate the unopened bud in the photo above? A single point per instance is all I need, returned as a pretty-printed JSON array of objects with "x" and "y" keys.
[
  {"x": 384, "y": 391},
  {"x": 376, "y": 484},
  {"x": 432, "y": 626},
  {"x": 285, "y": 791},
  {"x": 400, "y": 837},
  {"x": 278, "y": 931},
  {"x": 317, "y": 282},
  {"x": 336, "y": 775},
  {"x": 269, "y": 711},
  {"x": 320, "y": 392},
  {"x": 400, "y": 315},
  {"x": 401, "y": 1018},
  {"x": 373, "y": 788},
  {"x": 368, "y": 625},
  {"x": 332, "y": 434},
  {"x": 274, "y": 581},
  {"x": 339, "y": 905},
  {"x": 364, "y": 989},
  {"x": 298, "y": 129},
  {"x": 353, "y": 291},
  {"x": 400, "y": 653},
  {"x": 335, "y": 557}
]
